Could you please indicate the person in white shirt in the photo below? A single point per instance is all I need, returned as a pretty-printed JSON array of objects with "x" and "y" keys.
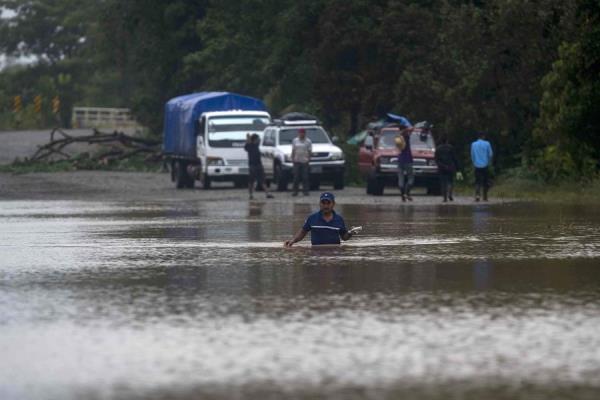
[{"x": 301, "y": 151}]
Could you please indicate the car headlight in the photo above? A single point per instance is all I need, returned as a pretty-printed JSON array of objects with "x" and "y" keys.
[
  {"x": 215, "y": 161},
  {"x": 431, "y": 162},
  {"x": 337, "y": 156},
  {"x": 287, "y": 158}
]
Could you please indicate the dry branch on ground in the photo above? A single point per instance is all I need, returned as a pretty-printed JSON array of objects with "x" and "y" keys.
[{"x": 112, "y": 146}]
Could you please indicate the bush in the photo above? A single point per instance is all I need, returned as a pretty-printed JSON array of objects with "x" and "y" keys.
[{"x": 351, "y": 155}]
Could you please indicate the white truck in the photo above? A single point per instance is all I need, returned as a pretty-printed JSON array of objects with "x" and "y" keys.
[
  {"x": 327, "y": 160},
  {"x": 204, "y": 136}
]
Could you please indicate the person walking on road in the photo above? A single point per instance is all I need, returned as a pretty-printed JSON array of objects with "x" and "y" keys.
[
  {"x": 255, "y": 167},
  {"x": 406, "y": 176},
  {"x": 445, "y": 158},
  {"x": 325, "y": 226},
  {"x": 481, "y": 155},
  {"x": 301, "y": 151}
]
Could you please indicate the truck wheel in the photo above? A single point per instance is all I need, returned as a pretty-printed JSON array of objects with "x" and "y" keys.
[
  {"x": 434, "y": 190},
  {"x": 375, "y": 185},
  {"x": 205, "y": 181},
  {"x": 240, "y": 183},
  {"x": 279, "y": 178},
  {"x": 173, "y": 170},
  {"x": 379, "y": 186},
  {"x": 181, "y": 175},
  {"x": 338, "y": 181},
  {"x": 372, "y": 184},
  {"x": 191, "y": 182}
]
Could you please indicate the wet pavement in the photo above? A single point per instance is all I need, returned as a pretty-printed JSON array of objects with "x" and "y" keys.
[{"x": 188, "y": 299}]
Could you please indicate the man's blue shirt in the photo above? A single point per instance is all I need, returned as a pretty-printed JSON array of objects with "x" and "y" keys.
[
  {"x": 323, "y": 232},
  {"x": 481, "y": 153}
]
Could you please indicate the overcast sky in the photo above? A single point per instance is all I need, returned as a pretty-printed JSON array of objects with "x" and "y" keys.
[{"x": 4, "y": 13}]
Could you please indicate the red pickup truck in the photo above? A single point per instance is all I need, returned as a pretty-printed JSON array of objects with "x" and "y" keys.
[{"x": 378, "y": 159}]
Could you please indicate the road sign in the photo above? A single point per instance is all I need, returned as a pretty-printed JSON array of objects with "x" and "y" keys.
[
  {"x": 17, "y": 104},
  {"x": 55, "y": 105},
  {"x": 37, "y": 103}
]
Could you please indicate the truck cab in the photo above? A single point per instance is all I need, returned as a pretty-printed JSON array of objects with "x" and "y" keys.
[
  {"x": 204, "y": 136},
  {"x": 220, "y": 145},
  {"x": 378, "y": 159},
  {"x": 326, "y": 164}
]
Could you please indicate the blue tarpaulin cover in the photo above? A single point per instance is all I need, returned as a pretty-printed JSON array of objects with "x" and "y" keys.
[
  {"x": 375, "y": 125},
  {"x": 183, "y": 112},
  {"x": 398, "y": 119}
]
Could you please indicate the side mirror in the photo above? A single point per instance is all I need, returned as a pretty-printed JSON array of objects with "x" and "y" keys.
[{"x": 335, "y": 139}]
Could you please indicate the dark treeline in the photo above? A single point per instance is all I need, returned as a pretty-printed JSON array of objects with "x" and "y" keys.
[{"x": 526, "y": 72}]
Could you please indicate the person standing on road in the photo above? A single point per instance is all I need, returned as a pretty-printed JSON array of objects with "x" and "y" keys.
[
  {"x": 481, "y": 155},
  {"x": 325, "y": 226},
  {"x": 406, "y": 176},
  {"x": 255, "y": 167},
  {"x": 445, "y": 158},
  {"x": 301, "y": 151}
]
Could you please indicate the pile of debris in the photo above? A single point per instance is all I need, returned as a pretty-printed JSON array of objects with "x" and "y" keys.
[{"x": 109, "y": 147}]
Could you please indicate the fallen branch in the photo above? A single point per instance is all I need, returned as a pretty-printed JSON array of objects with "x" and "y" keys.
[{"x": 121, "y": 146}]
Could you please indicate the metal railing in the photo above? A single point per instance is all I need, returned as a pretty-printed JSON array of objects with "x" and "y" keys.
[{"x": 100, "y": 117}]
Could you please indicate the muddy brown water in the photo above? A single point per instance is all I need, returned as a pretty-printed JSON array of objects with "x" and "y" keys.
[{"x": 194, "y": 299}]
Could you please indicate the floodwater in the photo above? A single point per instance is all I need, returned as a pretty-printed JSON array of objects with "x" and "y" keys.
[{"x": 192, "y": 299}]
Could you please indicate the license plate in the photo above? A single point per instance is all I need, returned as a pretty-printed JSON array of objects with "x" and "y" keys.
[{"x": 317, "y": 169}]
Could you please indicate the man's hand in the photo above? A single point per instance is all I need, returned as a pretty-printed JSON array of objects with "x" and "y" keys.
[
  {"x": 288, "y": 243},
  {"x": 355, "y": 230}
]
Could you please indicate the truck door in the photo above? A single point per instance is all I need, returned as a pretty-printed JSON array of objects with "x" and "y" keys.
[
  {"x": 267, "y": 151},
  {"x": 365, "y": 156},
  {"x": 201, "y": 140}
]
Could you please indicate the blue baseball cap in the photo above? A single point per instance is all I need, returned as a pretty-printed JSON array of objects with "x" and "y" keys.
[{"x": 327, "y": 196}]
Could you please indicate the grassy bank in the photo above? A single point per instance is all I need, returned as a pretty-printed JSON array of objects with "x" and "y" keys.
[{"x": 563, "y": 192}]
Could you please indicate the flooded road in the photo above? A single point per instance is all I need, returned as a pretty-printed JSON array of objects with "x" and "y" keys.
[{"x": 193, "y": 299}]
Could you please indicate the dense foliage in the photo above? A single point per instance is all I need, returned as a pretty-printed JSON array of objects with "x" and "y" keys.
[{"x": 526, "y": 71}]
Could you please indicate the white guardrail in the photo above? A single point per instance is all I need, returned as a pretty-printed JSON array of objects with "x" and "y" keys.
[{"x": 100, "y": 117}]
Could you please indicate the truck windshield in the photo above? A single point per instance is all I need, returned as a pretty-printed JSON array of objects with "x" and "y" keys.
[
  {"x": 231, "y": 131},
  {"x": 417, "y": 140},
  {"x": 316, "y": 135},
  {"x": 386, "y": 140}
]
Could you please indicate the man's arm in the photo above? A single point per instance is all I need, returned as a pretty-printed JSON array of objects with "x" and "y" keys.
[{"x": 298, "y": 237}]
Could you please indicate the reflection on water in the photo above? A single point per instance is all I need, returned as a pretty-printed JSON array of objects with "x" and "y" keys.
[{"x": 175, "y": 299}]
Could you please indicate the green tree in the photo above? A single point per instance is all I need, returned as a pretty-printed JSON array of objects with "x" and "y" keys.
[
  {"x": 50, "y": 30},
  {"x": 569, "y": 123},
  {"x": 142, "y": 45}
]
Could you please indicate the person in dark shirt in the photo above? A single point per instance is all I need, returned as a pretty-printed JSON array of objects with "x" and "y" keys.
[
  {"x": 406, "y": 176},
  {"x": 447, "y": 163},
  {"x": 325, "y": 226},
  {"x": 255, "y": 167}
]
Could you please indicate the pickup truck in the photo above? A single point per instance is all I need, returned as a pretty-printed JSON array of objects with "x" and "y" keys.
[
  {"x": 378, "y": 159},
  {"x": 204, "y": 136},
  {"x": 327, "y": 160}
]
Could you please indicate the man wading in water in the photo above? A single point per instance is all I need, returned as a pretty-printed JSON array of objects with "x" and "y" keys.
[{"x": 325, "y": 225}]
